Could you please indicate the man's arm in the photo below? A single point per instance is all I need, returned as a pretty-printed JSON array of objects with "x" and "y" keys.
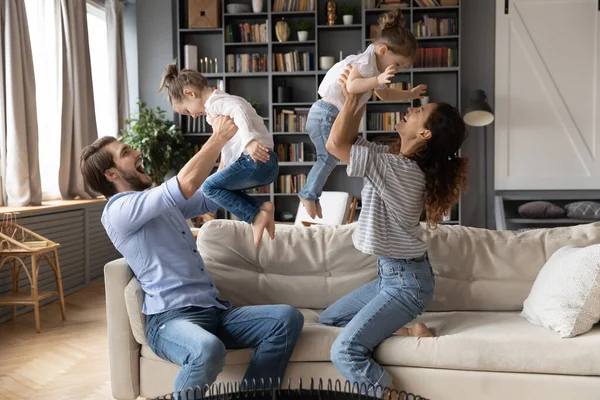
[
  {"x": 130, "y": 212},
  {"x": 344, "y": 131},
  {"x": 194, "y": 173}
]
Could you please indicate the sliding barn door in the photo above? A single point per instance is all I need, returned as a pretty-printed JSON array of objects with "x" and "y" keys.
[{"x": 547, "y": 95}]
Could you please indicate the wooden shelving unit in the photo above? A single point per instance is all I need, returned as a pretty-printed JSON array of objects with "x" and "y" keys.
[{"x": 324, "y": 40}]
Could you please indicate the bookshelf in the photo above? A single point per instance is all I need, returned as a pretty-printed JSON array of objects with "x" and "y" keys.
[{"x": 323, "y": 40}]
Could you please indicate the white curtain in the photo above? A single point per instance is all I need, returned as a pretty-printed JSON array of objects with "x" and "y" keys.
[
  {"x": 21, "y": 184},
  {"x": 117, "y": 68},
  {"x": 78, "y": 116},
  {"x": 44, "y": 31}
]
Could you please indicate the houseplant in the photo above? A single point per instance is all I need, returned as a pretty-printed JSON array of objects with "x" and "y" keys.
[
  {"x": 302, "y": 27},
  {"x": 347, "y": 14},
  {"x": 163, "y": 147}
]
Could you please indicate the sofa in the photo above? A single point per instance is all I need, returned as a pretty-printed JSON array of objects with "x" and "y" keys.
[{"x": 483, "y": 348}]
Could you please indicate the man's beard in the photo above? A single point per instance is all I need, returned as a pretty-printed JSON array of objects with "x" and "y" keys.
[{"x": 134, "y": 181}]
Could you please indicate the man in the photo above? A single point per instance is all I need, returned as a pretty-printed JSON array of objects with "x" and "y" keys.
[{"x": 186, "y": 322}]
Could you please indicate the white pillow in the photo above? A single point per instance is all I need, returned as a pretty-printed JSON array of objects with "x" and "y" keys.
[{"x": 565, "y": 296}]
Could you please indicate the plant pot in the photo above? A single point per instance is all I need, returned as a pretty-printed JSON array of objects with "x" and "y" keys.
[
  {"x": 302, "y": 36},
  {"x": 348, "y": 19},
  {"x": 257, "y": 6}
]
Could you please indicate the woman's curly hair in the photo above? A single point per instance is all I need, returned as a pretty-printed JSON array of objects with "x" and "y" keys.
[{"x": 445, "y": 172}]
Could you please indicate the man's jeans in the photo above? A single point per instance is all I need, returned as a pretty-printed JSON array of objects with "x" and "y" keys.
[{"x": 196, "y": 339}]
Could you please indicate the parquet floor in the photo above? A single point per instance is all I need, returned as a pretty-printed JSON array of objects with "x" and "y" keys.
[{"x": 66, "y": 361}]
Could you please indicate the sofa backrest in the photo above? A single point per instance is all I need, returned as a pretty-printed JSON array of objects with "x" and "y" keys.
[{"x": 476, "y": 269}]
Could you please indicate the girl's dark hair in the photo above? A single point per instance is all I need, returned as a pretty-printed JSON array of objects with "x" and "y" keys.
[
  {"x": 175, "y": 81},
  {"x": 394, "y": 34},
  {"x": 445, "y": 172}
]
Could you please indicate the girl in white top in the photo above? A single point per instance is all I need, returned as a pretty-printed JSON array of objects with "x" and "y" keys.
[
  {"x": 247, "y": 160},
  {"x": 395, "y": 47}
]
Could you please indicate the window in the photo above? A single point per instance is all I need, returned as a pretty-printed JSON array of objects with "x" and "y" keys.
[
  {"x": 43, "y": 20},
  {"x": 105, "y": 113},
  {"x": 44, "y": 31}
]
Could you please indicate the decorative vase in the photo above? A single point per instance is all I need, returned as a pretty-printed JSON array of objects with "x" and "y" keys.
[
  {"x": 257, "y": 6},
  {"x": 348, "y": 19},
  {"x": 331, "y": 16},
  {"x": 302, "y": 36},
  {"x": 282, "y": 30}
]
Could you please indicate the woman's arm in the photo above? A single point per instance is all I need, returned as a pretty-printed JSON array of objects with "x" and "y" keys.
[{"x": 344, "y": 131}]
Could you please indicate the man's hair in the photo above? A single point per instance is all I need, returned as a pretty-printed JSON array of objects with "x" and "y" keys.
[{"x": 94, "y": 161}]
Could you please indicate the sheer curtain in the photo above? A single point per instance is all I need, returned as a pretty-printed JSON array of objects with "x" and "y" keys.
[
  {"x": 44, "y": 31},
  {"x": 104, "y": 100}
]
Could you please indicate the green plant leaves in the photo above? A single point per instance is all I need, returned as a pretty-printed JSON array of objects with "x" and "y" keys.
[{"x": 160, "y": 141}]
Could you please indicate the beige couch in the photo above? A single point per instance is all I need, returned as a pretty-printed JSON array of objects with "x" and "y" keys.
[{"x": 483, "y": 349}]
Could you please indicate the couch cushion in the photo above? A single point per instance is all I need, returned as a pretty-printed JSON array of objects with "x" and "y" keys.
[
  {"x": 474, "y": 341},
  {"x": 493, "y": 341},
  {"x": 307, "y": 267},
  {"x": 566, "y": 294},
  {"x": 476, "y": 269},
  {"x": 480, "y": 269},
  {"x": 134, "y": 299}
]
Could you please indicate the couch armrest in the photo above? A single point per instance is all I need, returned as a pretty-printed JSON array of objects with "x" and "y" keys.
[{"x": 123, "y": 350}]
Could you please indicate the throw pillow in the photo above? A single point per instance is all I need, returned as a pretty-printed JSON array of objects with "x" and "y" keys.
[
  {"x": 541, "y": 209},
  {"x": 583, "y": 210},
  {"x": 565, "y": 296}
]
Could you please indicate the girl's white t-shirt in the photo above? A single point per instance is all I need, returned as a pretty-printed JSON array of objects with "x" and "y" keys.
[{"x": 330, "y": 89}]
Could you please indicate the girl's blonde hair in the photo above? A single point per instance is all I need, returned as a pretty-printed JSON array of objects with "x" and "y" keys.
[
  {"x": 175, "y": 81},
  {"x": 394, "y": 34}
]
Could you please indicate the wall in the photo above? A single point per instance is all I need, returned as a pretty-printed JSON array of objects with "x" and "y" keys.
[
  {"x": 131, "y": 53},
  {"x": 477, "y": 72},
  {"x": 156, "y": 48}
]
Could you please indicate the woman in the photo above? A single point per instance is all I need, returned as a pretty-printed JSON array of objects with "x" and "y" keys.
[{"x": 421, "y": 171}]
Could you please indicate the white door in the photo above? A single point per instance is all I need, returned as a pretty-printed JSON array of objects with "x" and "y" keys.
[{"x": 547, "y": 103}]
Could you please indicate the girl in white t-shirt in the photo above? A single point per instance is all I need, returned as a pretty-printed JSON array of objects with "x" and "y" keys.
[
  {"x": 247, "y": 159},
  {"x": 394, "y": 48}
]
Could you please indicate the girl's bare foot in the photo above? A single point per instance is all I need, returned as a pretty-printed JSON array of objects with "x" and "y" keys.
[
  {"x": 262, "y": 221},
  {"x": 418, "y": 330},
  {"x": 310, "y": 206},
  {"x": 319, "y": 210},
  {"x": 270, "y": 208}
]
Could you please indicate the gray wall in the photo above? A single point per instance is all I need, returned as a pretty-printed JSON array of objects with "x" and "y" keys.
[
  {"x": 131, "y": 53},
  {"x": 156, "y": 48},
  {"x": 477, "y": 72}
]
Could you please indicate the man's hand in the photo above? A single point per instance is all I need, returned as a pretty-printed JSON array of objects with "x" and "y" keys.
[
  {"x": 342, "y": 81},
  {"x": 418, "y": 92},
  {"x": 223, "y": 127},
  {"x": 388, "y": 74},
  {"x": 257, "y": 151}
]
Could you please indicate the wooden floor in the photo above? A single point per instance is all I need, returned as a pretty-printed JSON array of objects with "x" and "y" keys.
[{"x": 67, "y": 360}]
